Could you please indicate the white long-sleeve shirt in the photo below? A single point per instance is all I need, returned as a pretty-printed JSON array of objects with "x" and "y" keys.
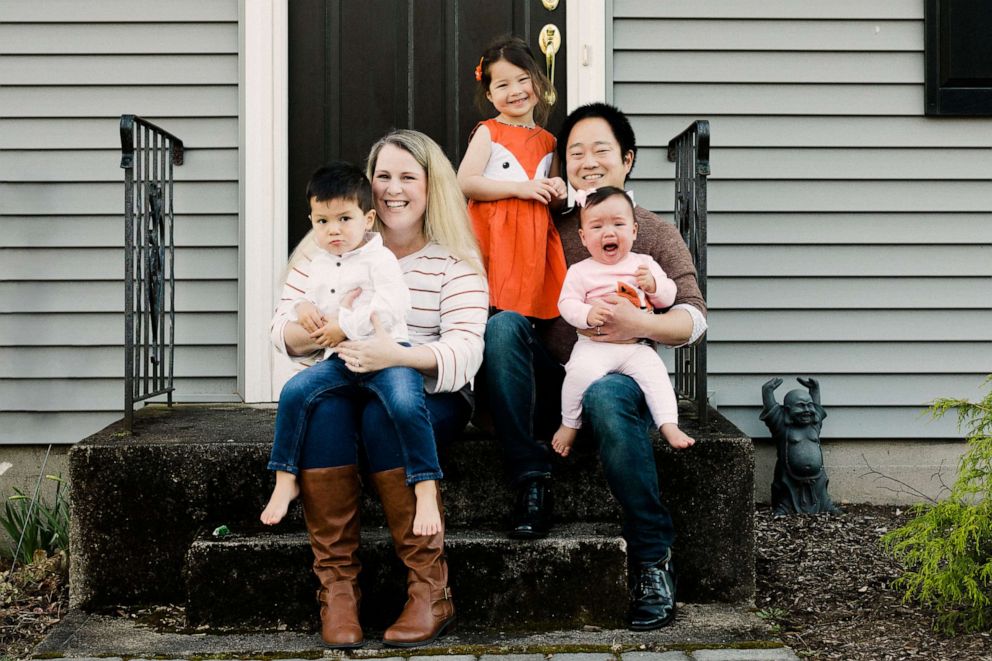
[
  {"x": 449, "y": 307},
  {"x": 588, "y": 280},
  {"x": 370, "y": 267}
]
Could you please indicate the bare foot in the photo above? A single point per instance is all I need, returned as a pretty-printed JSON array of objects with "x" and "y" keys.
[
  {"x": 563, "y": 439},
  {"x": 677, "y": 438},
  {"x": 285, "y": 491},
  {"x": 427, "y": 520}
]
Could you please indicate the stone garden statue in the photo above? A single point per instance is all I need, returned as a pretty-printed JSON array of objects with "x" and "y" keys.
[{"x": 800, "y": 483}]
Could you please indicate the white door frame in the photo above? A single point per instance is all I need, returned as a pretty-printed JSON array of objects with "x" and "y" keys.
[{"x": 264, "y": 134}]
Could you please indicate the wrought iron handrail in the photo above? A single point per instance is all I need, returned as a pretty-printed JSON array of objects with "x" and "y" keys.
[
  {"x": 690, "y": 151},
  {"x": 148, "y": 155}
]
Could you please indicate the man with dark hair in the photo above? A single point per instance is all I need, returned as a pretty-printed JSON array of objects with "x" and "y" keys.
[{"x": 524, "y": 373}]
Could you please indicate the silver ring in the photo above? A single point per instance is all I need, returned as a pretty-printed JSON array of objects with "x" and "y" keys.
[{"x": 599, "y": 330}]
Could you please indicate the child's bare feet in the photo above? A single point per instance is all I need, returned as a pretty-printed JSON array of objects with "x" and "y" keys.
[
  {"x": 563, "y": 439},
  {"x": 285, "y": 491},
  {"x": 677, "y": 438},
  {"x": 427, "y": 520}
]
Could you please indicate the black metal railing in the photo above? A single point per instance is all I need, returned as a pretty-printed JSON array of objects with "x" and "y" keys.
[
  {"x": 690, "y": 151},
  {"x": 148, "y": 155}
]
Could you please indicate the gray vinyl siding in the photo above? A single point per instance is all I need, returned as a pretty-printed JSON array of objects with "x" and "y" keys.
[
  {"x": 68, "y": 70},
  {"x": 850, "y": 237}
]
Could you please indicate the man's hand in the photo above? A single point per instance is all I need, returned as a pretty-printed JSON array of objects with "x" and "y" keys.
[{"x": 624, "y": 325}]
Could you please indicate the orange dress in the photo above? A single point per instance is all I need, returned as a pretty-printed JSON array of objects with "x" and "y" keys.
[{"x": 520, "y": 245}]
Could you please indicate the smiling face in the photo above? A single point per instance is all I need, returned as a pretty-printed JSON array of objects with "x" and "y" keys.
[
  {"x": 799, "y": 406},
  {"x": 339, "y": 225},
  {"x": 593, "y": 157},
  {"x": 511, "y": 92},
  {"x": 608, "y": 229},
  {"x": 399, "y": 190}
]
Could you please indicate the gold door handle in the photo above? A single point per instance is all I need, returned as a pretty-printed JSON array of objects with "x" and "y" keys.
[{"x": 550, "y": 43}]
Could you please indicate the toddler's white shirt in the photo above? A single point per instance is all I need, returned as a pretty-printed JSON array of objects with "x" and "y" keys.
[{"x": 371, "y": 267}]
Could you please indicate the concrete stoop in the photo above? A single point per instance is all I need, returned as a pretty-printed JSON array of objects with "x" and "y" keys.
[
  {"x": 263, "y": 581},
  {"x": 698, "y": 626},
  {"x": 144, "y": 506}
]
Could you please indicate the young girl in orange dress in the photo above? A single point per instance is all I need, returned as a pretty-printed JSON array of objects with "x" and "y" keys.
[{"x": 506, "y": 174}]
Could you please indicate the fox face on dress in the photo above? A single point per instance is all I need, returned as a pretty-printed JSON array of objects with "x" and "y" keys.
[{"x": 504, "y": 166}]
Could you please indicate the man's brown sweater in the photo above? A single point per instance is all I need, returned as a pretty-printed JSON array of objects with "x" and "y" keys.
[{"x": 655, "y": 237}]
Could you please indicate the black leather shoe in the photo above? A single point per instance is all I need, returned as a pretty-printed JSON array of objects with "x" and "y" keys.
[
  {"x": 532, "y": 516},
  {"x": 652, "y": 593}
]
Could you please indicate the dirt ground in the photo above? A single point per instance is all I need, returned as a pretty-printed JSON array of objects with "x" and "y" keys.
[
  {"x": 32, "y": 600},
  {"x": 822, "y": 580}
]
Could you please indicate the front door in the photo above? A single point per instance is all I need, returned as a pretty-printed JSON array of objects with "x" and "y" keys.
[{"x": 358, "y": 68}]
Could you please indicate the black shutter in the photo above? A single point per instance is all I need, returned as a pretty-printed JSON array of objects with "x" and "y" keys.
[{"x": 959, "y": 57}]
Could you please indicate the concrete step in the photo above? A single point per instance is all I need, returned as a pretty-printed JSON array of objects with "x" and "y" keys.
[
  {"x": 140, "y": 500},
  {"x": 574, "y": 578},
  {"x": 698, "y": 626}
]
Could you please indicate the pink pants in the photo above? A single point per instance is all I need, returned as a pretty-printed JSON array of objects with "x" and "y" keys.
[{"x": 593, "y": 360}]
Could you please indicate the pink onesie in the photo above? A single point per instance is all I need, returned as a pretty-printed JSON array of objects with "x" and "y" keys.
[{"x": 586, "y": 281}]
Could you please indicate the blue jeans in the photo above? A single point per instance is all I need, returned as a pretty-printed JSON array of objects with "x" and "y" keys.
[
  {"x": 522, "y": 386},
  {"x": 399, "y": 392},
  {"x": 523, "y": 383}
]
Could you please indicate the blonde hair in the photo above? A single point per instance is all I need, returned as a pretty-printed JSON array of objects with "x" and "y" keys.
[{"x": 446, "y": 220}]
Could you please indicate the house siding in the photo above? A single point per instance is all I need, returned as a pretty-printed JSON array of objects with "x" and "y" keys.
[
  {"x": 68, "y": 70},
  {"x": 850, "y": 237}
]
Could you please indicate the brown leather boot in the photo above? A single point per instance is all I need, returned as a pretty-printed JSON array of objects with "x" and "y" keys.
[
  {"x": 330, "y": 499},
  {"x": 429, "y": 610}
]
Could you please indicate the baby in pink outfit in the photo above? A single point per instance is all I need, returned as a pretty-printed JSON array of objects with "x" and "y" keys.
[{"x": 608, "y": 231}]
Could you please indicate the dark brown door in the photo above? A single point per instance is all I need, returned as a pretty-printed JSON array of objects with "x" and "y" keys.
[{"x": 358, "y": 68}]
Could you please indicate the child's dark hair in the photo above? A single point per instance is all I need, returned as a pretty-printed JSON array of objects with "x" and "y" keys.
[
  {"x": 613, "y": 116},
  {"x": 600, "y": 195},
  {"x": 340, "y": 180},
  {"x": 515, "y": 51}
]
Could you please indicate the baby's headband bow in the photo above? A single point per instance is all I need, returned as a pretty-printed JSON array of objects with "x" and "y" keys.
[{"x": 582, "y": 195}]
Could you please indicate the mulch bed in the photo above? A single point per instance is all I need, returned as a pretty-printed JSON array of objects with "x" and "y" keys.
[
  {"x": 32, "y": 600},
  {"x": 822, "y": 580},
  {"x": 825, "y": 581}
]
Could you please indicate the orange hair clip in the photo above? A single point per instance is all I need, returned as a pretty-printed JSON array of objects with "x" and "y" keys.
[{"x": 478, "y": 70}]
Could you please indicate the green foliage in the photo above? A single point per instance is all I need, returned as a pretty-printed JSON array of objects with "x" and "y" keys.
[
  {"x": 946, "y": 547},
  {"x": 774, "y": 616},
  {"x": 45, "y": 527}
]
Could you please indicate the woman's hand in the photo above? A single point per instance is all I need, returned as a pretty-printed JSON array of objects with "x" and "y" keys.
[{"x": 376, "y": 353}]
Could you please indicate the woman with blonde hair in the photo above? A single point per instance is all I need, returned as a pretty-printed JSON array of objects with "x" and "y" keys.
[{"x": 421, "y": 215}]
